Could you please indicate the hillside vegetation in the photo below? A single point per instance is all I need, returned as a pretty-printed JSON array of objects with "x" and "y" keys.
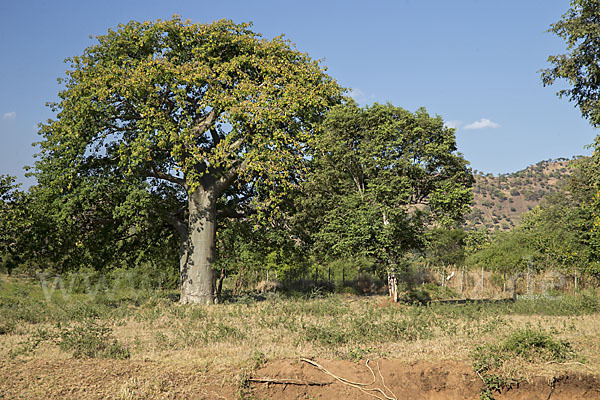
[{"x": 499, "y": 201}]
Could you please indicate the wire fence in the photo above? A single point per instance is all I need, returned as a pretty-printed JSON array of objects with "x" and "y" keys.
[{"x": 463, "y": 281}]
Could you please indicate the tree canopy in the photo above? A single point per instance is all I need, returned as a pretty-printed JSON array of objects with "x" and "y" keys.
[
  {"x": 580, "y": 66},
  {"x": 380, "y": 176}
]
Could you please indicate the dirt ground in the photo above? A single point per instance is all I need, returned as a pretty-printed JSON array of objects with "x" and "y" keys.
[{"x": 281, "y": 379}]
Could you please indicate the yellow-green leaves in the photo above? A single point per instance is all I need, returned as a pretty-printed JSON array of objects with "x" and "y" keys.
[{"x": 211, "y": 104}]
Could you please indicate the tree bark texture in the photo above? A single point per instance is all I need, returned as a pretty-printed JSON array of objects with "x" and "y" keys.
[{"x": 198, "y": 252}]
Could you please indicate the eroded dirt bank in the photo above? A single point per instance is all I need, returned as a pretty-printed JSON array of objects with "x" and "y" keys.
[
  {"x": 395, "y": 379},
  {"x": 282, "y": 379}
]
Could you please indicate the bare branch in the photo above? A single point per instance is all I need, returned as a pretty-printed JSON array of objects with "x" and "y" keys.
[
  {"x": 229, "y": 213},
  {"x": 236, "y": 145},
  {"x": 288, "y": 382},
  {"x": 167, "y": 177},
  {"x": 206, "y": 123}
]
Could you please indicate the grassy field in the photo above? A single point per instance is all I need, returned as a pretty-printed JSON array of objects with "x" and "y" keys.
[{"x": 503, "y": 341}]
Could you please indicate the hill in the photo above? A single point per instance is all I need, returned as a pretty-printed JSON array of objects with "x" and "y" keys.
[{"x": 499, "y": 201}]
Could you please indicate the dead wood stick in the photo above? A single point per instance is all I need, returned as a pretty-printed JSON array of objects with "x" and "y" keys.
[
  {"x": 288, "y": 382},
  {"x": 570, "y": 363},
  {"x": 360, "y": 386}
]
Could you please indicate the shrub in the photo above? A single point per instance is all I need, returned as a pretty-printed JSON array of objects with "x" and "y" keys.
[
  {"x": 531, "y": 345},
  {"x": 534, "y": 345},
  {"x": 428, "y": 292},
  {"x": 92, "y": 340}
]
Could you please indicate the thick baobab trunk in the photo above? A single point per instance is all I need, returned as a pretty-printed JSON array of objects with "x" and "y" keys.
[{"x": 198, "y": 252}]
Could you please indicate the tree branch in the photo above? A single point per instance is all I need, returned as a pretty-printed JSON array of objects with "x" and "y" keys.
[
  {"x": 206, "y": 123},
  {"x": 229, "y": 213},
  {"x": 167, "y": 177},
  {"x": 215, "y": 136},
  {"x": 179, "y": 226},
  {"x": 225, "y": 180}
]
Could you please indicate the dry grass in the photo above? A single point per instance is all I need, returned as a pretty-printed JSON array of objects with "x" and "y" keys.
[
  {"x": 213, "y": 347},
  {"x": 243, "y": 334}
]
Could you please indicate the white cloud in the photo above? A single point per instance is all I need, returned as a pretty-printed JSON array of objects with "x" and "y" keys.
[
  {"x": 356, "y": 94},
  {"x": 360, "y": 96},
  {"x": 482, "y": 124},
  {"x": 453, "y": 124},
  {"x": 9, "y": 115}
]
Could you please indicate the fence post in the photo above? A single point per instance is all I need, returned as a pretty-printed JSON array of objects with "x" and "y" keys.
[
  {"x": 393, "y": 285},
  {"x": 343, "y": 276},
  {"x": 443, "y": 276},
  {"x": 575, "y": 289},
  {"x": 528, "y": 278},
  {"x": 329, "y": 274},
  {"x": 481, "y": 281}
]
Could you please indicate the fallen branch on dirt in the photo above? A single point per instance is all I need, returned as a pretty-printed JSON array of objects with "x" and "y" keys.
[
  {"x": 361, "y": 386},
  {"x": 288, "y": 382},
  {"x": 570, "y": 363}
]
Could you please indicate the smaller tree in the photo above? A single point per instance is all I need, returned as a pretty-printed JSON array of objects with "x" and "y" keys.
[{"x": 379, "y": 177}]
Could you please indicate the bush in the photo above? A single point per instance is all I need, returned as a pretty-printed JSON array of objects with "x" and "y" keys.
[
  {"x": 535, "y": 345},
  {"x": 531, "y": 345},
  {"x": 417, "y": 296},
  {"x": 92, "y": 340},
  {"x": 429, "y": 292}
]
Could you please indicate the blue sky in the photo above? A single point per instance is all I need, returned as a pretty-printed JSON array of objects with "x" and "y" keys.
[{"x": 473, "y": 62}]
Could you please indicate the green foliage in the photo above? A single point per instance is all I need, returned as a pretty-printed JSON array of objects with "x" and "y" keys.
[
  {"x": 446, "y": 246},
  {"x": 417, "y": 296},
  {"x": 23, "y": 303},
  {"x": 372, "y": 327},
  {"x": 580, "y": 29},
  {"x": 531, "y": 345},
  {"x": 159, "y": 96},
  {"x": 351, "y": 268},
  {"x": 102, "y": 223},
  {"x": 506, "y": 253},
  {"x": 242, "y": 249},
  {"x": 92, "y": 339},
  {"x": 373, "y": 170},
  {"x": 428, "y": 292},
  {"x": 559, "y": 232},
  {"x": 15, "y": 222}
]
